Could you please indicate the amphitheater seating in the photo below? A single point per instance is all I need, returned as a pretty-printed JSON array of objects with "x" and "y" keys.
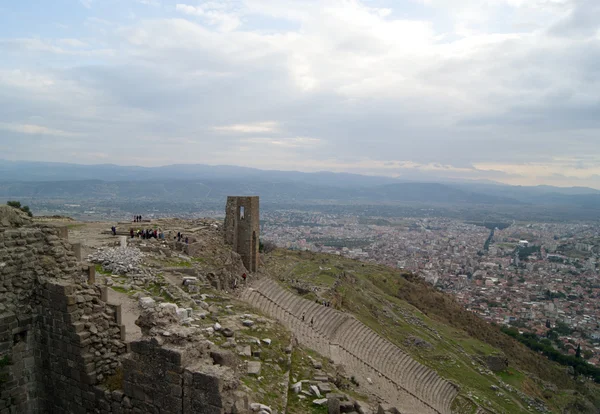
[{"x": 378, "y": 365}]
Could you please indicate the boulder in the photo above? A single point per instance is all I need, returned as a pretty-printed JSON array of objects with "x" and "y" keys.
[
  {"x": 496, "y": 363},
  {"x": 315, "y": 390},
  {"x": 387, "y": 409},
  {"x": 147, "y": 302},
  {"x": 224, "y": 358},
  {"x": 297, "y": 387},
  {"x": 333, "y": 406},
  {"x": 13, "y": 217},
  {"x": 254, "y": 368}
]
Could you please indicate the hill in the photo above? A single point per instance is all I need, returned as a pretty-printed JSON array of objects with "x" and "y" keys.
[{"x": 438, "y": 332}]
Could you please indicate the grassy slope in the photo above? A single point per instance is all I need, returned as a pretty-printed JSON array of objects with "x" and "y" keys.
[{"x": 401, "y": 306}]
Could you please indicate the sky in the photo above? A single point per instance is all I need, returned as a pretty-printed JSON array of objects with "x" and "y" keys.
[{"x": 502, "y": 90}]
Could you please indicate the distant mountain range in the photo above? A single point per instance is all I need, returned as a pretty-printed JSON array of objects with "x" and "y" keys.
[{"x": 40, "y": 180}]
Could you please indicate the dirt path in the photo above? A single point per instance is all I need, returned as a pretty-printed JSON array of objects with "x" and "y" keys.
[{"x": 130, "y": 311}]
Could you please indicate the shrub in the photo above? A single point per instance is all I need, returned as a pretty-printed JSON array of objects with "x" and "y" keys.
[{"x": 17, "y": 204}]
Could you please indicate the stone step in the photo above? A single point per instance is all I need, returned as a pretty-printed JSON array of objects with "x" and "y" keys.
[
  {"x": 368, "y": 348},
  {"x": 336, "y": 322},
  {"x": 321, "y": 318},
  {"x": 270, "y": 290},
  {"x": 416, "y": 373},
  {"x": 278, "y": 300},
  {"x": 379, "y": 360},
  {"x": 276, "y": 295},
  {"x": 361, "y": 349},
  {"x": 424, "y": 385},
  {"x": 383, "y": 358},
  {"x": 358, "y": 343},
  {"x": 431, "y": 386},
  {"x": 354, "y": 335},
  {"x": 349, "y": 336},
  {"x": 396, "y": 356},
  {"x": 288, "y": 300}
]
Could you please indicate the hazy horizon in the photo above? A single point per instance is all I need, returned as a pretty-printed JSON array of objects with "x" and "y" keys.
[{"x": 503, "y": 90}]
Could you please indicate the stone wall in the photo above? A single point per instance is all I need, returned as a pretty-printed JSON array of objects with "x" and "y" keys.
[
  {"x": 167, "y": 379},
  {"x": 57, "y": 338},
  {"x": 61, "y": 343},
  {"x": 242, "y": 228}
]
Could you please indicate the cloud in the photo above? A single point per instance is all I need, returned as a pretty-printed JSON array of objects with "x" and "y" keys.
[
  {"x": 502, "y": 89},
  {"x": 86, "y": 3},
  {"x": 213, "y": 14},
  {"x": 31, "y": 129},
  {"x": 253, "y": 128},
  {"x": 295, "y": 142}
]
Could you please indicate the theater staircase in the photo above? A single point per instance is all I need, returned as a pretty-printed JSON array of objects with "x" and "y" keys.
[{"x": 379, "y": 366}]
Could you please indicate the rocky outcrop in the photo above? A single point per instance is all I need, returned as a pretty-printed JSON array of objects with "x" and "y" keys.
[{"x": 13, "y": 217}]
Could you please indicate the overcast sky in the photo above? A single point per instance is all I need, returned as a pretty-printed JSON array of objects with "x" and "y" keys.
[{"x": 506, "y": 90}]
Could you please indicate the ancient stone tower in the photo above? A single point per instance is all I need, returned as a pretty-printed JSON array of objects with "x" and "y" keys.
[{"x": 242, "y": 228}]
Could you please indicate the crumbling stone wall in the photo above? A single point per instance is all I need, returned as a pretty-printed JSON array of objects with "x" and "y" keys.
[
  {"x": 242, "y": 228},
  {"x": 60, "y": 342},
  {"x": 170, "y": 379},
  {"x": 57, "y": 338}
]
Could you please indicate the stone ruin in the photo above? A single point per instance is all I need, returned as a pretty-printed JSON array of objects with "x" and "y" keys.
[
  {"x": 242, "y": 229},
  {"x": 62, "y": 347}
]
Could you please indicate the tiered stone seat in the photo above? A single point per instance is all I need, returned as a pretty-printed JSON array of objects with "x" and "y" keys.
[{"x": 412, "y": 386}]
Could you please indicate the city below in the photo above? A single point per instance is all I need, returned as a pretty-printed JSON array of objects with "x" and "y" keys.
[{"x": 541, "y": 278}]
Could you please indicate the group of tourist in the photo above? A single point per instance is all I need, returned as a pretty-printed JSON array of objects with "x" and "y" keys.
[
  {"x": 147, "y": 234},
  {"x": 325, "y": 303},
  {"x": 180, "y": 238},
  {"x": 137, "y": 219}
]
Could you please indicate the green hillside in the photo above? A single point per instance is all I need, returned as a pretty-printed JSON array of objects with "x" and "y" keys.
[{"x": 437, "y": 332}]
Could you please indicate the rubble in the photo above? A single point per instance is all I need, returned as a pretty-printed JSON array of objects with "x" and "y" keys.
[{"x": 118, "y": 260}]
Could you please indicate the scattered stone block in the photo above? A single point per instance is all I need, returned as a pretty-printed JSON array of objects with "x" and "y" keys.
[
  {"x": 315, "y": 390},
  {"x": 257, "y": 407},
  {"x": 321, "y": 401},
  {"x": 267, "y": 341},
  {"x": 363, "y": 408},
  {"x": 324, "y": 387},
  {"x": 346, "y": 406},
  {"x": 224, "y": 358},
  {"x": 254, "y": 368},
  {"x": 387, "y": 409},
  {"x": 182, "y": 314},
  {"x": 245, "y": 350},
  {"x": 297, "y": 387},
  {"x": 190, "y": 280},
  {"x": 333, "y": 406},
  {"x": 248, "y": 322},
  {"x": 147, "y": 302}
]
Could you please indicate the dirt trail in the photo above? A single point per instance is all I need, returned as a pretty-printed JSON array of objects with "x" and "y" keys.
[{"x": 130, "y": 311}]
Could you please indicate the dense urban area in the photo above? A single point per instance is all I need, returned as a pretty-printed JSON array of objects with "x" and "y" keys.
[{"x": 538, "y": 278}]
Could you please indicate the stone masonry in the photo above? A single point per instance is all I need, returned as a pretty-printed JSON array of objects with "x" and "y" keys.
[
  {"x": 242, "y": 228},
  {"x": 57, "y": 338},
  {"x": 61, "y": 344},
  {"x": 383, "y": 368}
]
